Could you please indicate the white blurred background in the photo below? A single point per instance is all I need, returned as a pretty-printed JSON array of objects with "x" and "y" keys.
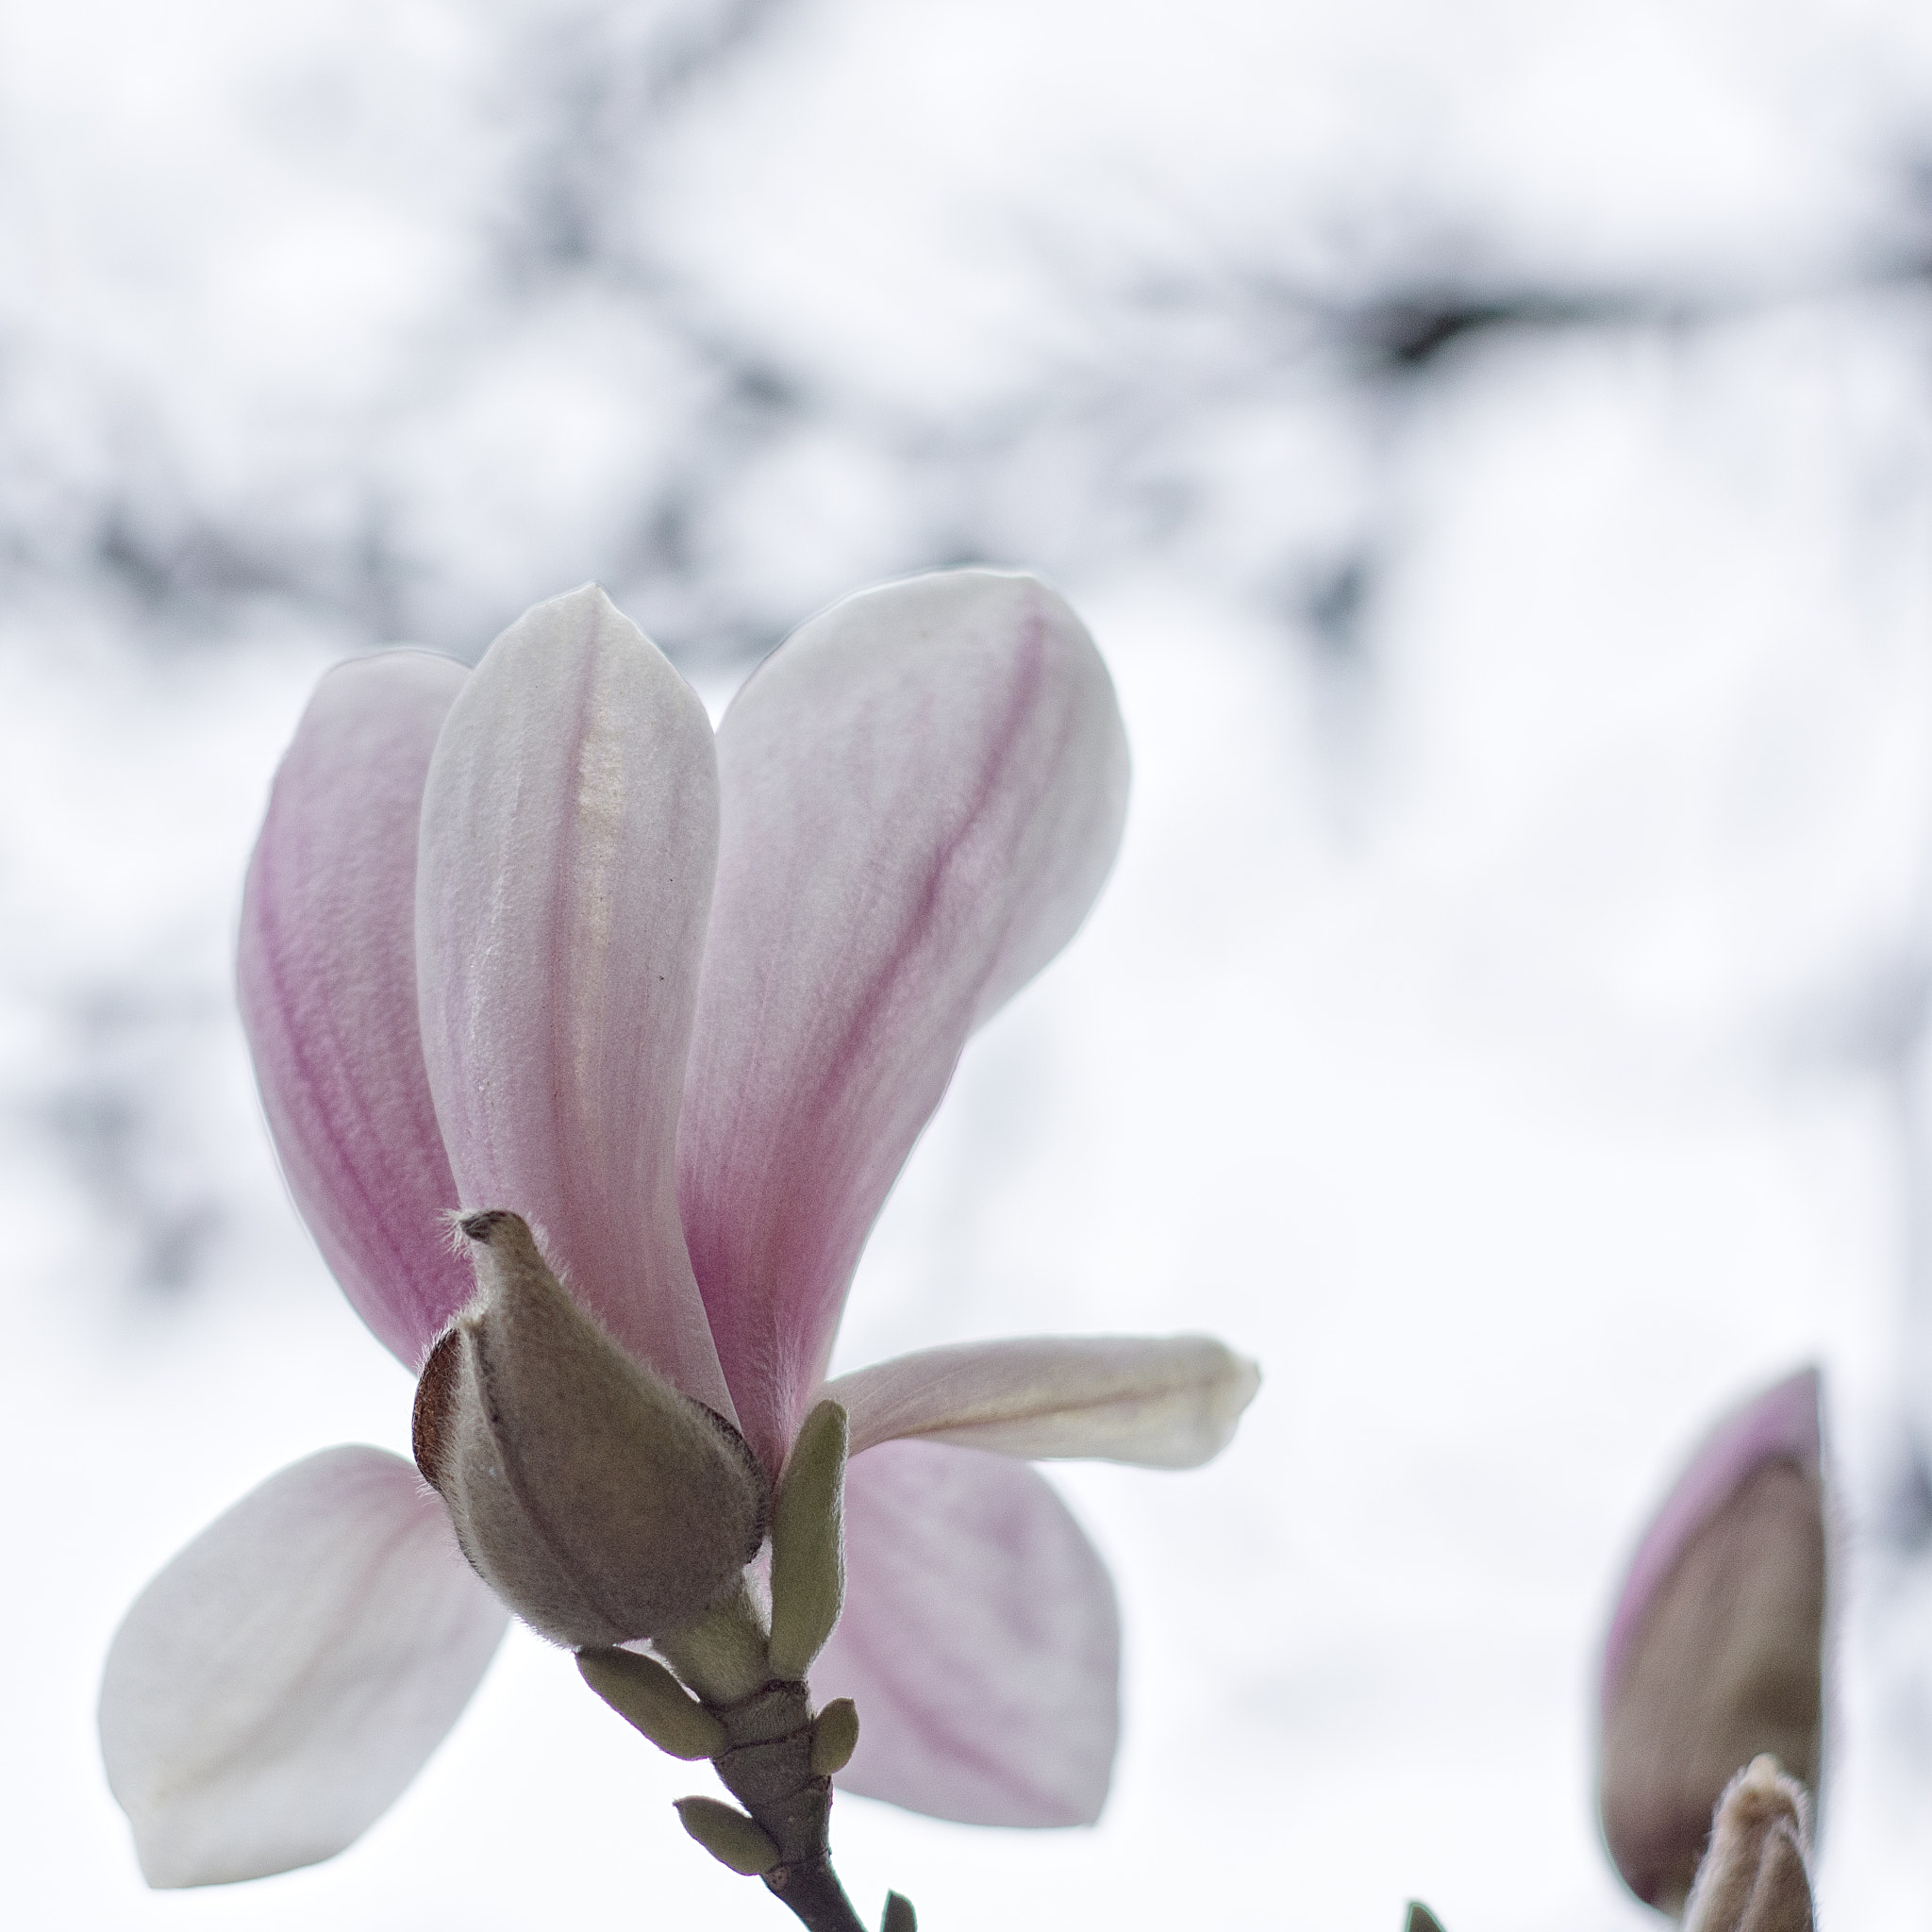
[{"x": 1492, "y": 442}]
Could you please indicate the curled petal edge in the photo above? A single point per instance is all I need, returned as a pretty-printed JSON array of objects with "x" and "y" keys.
[{"x": 1169, "y": 1402}]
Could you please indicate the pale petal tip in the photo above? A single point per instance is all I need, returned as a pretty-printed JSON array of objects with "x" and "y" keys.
[
  {"x": 1232, "y": 1384},
  {"x": 1229, "y": 1382},
  {"x": 587, "y": 596},
  {"x": 581, "y": 613},
  {"x": 1238, "y": 1389},
  {"x": 171, "y": 1859}
]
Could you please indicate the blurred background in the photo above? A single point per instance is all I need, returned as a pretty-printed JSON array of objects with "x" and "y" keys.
[{"x": 1492, "y": 443}]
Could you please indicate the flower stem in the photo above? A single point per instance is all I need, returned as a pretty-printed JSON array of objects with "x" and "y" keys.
[
  {"x": 813, "y": 1892},
  {"x": 767, "y": 1768}
]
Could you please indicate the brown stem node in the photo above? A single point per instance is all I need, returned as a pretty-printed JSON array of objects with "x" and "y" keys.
[{"x": 768, "y": 1769}]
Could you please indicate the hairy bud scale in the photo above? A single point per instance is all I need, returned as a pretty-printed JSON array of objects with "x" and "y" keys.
[{"x": 600, "y": 1503}]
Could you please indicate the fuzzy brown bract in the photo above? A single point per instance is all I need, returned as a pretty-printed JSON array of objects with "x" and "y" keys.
[{"x": 599, "y": 1502}]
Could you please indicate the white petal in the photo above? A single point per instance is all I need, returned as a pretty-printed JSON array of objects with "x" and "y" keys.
[
  {"x": 569, "y": 829},
  {"x": 980, "y": 1642},
  {"x": 274, "y": 1689},
  {"x": 1163, "y": 1401},
  {"x": 923, "y": 789}
]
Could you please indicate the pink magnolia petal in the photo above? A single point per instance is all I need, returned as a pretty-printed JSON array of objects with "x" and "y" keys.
[
  {"x": 1715, "y": 1657},
  {"x": 980, "y": 1642},
  {"x": 1781, "y": 1422},
  {"x": 274, "y": 1689},
  {"x": 923, "y": 792},
  {"x": 570, "y": 831},
  {"x": 328, "y": 981},
  {"x": 1164, "y": 1403}
]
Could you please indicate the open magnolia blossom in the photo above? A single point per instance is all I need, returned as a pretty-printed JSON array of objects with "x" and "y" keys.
[{"x": 660, "y": 1013}]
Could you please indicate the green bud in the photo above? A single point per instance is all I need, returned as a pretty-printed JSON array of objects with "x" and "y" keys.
[
  {"x": 1421, "y": 1918},
  {"x": 807, "y": 1549},
  {"x": 644, "y": 1693},
  {"x": 899, "y": 1915},
  {"x": 729, "y": 1835},
  {"x": 834, "y": 1737},
  {"x": 596, "y": 1500}
]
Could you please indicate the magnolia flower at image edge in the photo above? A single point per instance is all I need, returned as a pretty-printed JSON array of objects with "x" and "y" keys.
[{"x": 532, "y": 943}]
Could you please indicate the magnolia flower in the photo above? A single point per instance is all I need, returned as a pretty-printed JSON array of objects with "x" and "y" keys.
[
  {"x": 1713, "y": 1682},
  {"x": 532, "y": 943}
]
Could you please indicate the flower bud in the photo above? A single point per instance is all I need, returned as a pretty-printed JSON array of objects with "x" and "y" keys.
[
  {"x": 1715, "y": 1653},
  {"x": 807, "y": 1542},
  {"x": 598, "y": 1502},
  {"x": 644, "y": 1693},
  {"x": 729, "y": 1835},
  {"x": 834, "y": 1737},
  {"x": 1754, "y": 1878}
]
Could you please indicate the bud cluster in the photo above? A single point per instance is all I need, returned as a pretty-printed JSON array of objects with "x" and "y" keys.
[{"x": 609, "y": 1509}]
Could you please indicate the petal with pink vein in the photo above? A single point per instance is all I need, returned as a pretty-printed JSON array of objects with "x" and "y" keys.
[
  {"x": 980, "y": 1642},
  {"x": 1162, "y": 1402},
  {"x": 328, "y": 981},
  {"x": 1780, "y": 1425},
  {"x": 570, "y": 831},
  {"x": 923, "y": 792},
  {"x": 1715, "y": 1656},
  {"x": 274, "y": 1689}
]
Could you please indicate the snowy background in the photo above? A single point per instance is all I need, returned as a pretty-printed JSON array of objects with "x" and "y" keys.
[{"x": 1492, "y": 443}]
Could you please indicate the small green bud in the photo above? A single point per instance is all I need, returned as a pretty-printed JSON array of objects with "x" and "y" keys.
[
  {"x": 899, "y": 1915},
  {"x": 596, "y": 1500},
  {"x": 807, "y": 1547},
  {"x": 834, "y": 1737},
  {"x": 1421, "y": 1918},
  {"x": 729, "y": 1835},
  {"x": 641, "y": 1690}
]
